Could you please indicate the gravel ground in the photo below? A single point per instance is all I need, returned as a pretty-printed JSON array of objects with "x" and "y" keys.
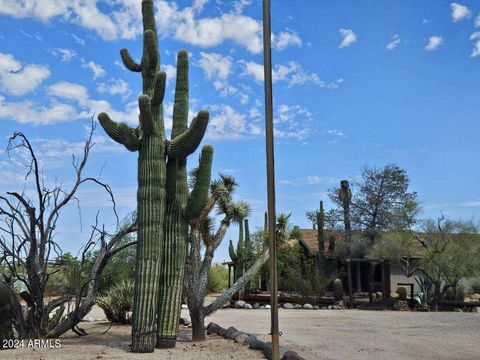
[
  {"x": 314, "y": 334},
  {"x": 359, "y": 334}
]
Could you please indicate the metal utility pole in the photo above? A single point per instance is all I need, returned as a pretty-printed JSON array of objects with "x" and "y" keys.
[{"x": 272, "y": 218}]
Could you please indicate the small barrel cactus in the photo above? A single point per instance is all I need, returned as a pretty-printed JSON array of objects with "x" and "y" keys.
[
  {"x": 338, "y": 290},
  {"x": 402, "y": 293}
]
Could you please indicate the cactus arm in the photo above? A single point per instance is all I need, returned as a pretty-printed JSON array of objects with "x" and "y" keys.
[
  {"x": 199, "y": 195},
  {"x": 150, "y": 44},
  {"x": 128, "y": 61},
  {"x": 146, "y": 118},
  {"x": 186, "y": 143},
  {"x": 231, "y": 252},
  {"x": 180, "y": 105},
  {"x": 119, "y": 132},
  {"x": 159, "y": 91}
]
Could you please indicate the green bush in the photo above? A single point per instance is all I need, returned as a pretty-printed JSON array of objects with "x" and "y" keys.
[
  {"x": 217, "y": 278},
  {"x": 476, "y": 285},
  {"x": 117, "y": 301}
]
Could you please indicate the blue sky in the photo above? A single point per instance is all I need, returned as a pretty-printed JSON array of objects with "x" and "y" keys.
[{"x": 355, "y": 83}]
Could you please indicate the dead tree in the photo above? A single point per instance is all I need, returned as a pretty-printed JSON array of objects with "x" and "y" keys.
[{"x": 27, "y": 245}]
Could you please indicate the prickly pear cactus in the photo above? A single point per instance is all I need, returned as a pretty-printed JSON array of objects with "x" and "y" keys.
[{"x": 164, "y": 205}]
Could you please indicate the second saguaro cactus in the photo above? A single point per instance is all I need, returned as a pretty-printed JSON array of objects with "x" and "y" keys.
[{"x": 164, "y": 205}]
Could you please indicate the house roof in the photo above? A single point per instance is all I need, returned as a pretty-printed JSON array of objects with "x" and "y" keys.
[{"x": 310, "y": 242}]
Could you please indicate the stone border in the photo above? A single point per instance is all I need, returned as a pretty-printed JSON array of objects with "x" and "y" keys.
[{"x": 251, "y": 341}]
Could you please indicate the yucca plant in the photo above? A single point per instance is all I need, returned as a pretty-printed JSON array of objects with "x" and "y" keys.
[{"x": 117, "y": 301}]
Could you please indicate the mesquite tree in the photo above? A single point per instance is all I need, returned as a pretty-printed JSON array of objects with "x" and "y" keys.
[
  {"x": 202, "y": 233},
  {"x": 164, "y": 205},
  {"x": 28, "y": 242}
]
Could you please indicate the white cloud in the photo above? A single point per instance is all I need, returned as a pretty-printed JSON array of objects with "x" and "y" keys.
[
  {"x": 227, "y": 124},
  {"x": 66, "y": 54},
  {"x": 122, "y": 19},
  {"x": 292, "y": 74},
  {"x": 68, "y": 102},
  {"x": 115, "y": 87},
  {"x": 476, "y": 46},
  {"x": 17, "y": 79},
  {"x": 27, "y": 112},
  {"x": 171, "y": 72},
  {"x": 433, "y": 43},
  {"x": 349, "y": 37},
  {"x": 394, "y": 43},
  {"x": 285, "y": 39},
  {"x": 215, "y": 66},
  {"x": 477, "y": 21},
  {"x": 239, "y": 5},
  {"x": 459, "y": 12},
  {"x": 97, "y": 69}
]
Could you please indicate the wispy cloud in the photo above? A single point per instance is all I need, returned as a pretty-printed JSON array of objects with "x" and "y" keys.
[
  {"x": 476, "y": 46},
  {"x": 459, "y": 12},
  {"x": 18, "y": 79},
  {"x": 433, "y": 43},
  {"x": 98, "y": 70},
  {"x": 394, "y": 42},
  {"x": 348, "y": 37}
]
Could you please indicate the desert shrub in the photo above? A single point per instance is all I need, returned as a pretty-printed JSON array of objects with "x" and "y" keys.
[
  {"x": 217, "y": 278},
  {"x": 402, "y": 292},
  {"x": 117, "y": 301},
  {"x": 476, "y": 285}
]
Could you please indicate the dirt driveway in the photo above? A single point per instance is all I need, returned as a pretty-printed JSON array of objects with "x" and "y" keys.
[
  {"x": 315, "y": 334},
  {"x": 358, "y": 334}
]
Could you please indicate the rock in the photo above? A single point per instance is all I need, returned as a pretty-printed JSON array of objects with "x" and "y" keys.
[
  {"x": 239, "y": 304},
  {"x": 291, "y": 355},
  {"x": 228, "y": 334},
  {"x": 330, "y": 307},
  {"x": 467, "y": 299},
  {"x": 288, "y": 306},
  {"x": 476, "y": 309},
  {"x": 249, "y": 339},
  {"x": 297, "y": 306},
  {"x": 457, "y": 310},
  {"x": 256, "y": 306},
  {"x": 226, "y": 305},
  {"x": 213, "y": 328},
  {"x": 316, "y": 307},
  {"x": 185, "y": 322},
  {"x": 247, "y": 306},
  {"x": 379, "y": 294},
  {"x": 268, "y": 306},
  {"x": 241, "y": 338},
  {"x": 221, "y": 331},
  {"x": 308, "y": 306},
  {"x": 184, "y": 306},
  {"x": 475, "y": 297},
  {"x": 396, "y": 306},
  {"x": 281, "y": 351},
  {"x": 394, "y": 295}
]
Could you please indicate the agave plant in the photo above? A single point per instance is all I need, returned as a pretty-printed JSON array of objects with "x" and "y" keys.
[{"x": 117, "y": 301}]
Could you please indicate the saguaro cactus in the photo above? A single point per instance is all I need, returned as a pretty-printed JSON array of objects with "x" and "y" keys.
[
  {"x": 321, "y": 264},
  {"x": 238, "y": 257},
  {"x": 164, "y": 206},
  {"x": 345, "y": 196}
]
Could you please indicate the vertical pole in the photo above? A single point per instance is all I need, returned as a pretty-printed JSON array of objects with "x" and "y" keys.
[
  {"x": 384, "y": 286},
  {"x": 350, "y": 290},
  {"x": 272, "y": 221}
]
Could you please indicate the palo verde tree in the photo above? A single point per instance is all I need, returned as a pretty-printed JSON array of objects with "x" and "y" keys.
[
  {"x": 28, "y": 232},
  {"x": 164, "y": 204}
]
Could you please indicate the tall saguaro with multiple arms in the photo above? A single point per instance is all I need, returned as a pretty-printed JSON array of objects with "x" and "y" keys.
[{"x": 164, "y": 205}]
